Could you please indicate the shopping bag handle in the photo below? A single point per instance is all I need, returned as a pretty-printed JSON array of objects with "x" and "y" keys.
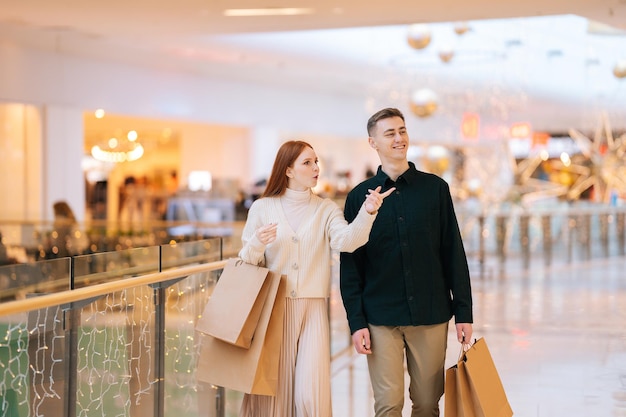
[
  {"x": 239, "y": 262},
  {"x": 464, "y": 348}
]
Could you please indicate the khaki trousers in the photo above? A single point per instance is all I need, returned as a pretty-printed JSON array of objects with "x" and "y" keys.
[{"x": 424, "y": 348}]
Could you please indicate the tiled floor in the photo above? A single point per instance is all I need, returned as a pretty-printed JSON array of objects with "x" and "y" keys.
[{"x": 557, "y": 336}]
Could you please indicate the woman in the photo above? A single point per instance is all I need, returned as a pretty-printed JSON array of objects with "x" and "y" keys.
[
  {"x": 291, "y": 231},
  {"x": 66, "y": 237}
]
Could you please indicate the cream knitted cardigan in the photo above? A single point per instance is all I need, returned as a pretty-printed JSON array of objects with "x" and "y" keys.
[{"x": 303, "y": 255}]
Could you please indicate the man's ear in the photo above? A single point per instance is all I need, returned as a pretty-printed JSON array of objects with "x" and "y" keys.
[{"x": 372, "y": 143}]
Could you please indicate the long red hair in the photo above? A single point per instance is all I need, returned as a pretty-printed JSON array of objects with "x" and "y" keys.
[{"x": 285, "y": 158}]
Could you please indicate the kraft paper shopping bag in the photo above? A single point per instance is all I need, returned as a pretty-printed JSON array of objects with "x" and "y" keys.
[
  {"x": 467, "y": 403},
  {"x": 475, "y": 388},
  {"x": 458, "y": 400},
  {"x": 450, "y": 397},
  {"x": 484, "y": 381},
  {"x": 234, "y": 308},
  {"x": 253, "y": 370}
]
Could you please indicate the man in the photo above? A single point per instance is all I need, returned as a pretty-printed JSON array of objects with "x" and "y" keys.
[{"x": 401, "y": 289}]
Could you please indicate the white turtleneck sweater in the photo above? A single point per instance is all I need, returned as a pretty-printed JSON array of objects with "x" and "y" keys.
[
  {"x": 295, "y": 205},
  {"x": 308, "y": 228}
]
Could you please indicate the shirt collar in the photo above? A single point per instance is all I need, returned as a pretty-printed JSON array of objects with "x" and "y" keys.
[{"x": 409, "y": 175}]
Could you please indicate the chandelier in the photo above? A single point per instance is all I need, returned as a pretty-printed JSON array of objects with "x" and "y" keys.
[{"x": 119, "y": 150}]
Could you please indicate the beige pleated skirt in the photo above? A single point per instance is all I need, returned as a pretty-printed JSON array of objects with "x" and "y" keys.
[{"x": 304, "y": 370}]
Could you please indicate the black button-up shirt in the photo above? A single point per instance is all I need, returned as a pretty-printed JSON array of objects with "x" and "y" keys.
[{"x": 413, "y": 270}]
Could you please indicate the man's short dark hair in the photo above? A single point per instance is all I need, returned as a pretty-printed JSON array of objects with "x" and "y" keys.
[{"x": 382, "y": 114}]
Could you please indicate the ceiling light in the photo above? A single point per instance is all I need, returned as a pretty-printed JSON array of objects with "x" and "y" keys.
[
  {"x": 269, "y": 11},
  {"x": 553, "y": 53},
  {"x": 117, "y": 156},
  {"x": 512, "y": 43},
  {"x": 115, "y": 150}
]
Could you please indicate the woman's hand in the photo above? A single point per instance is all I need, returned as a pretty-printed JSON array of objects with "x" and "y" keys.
[
  {"x": 267, "y": 234},
  {"x": 374, "y": 199}
]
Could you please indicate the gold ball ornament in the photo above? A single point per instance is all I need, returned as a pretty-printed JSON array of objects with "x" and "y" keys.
[
  {"x": 619, "y": 70},
  {"x": 419, "y": 36},
  {"x": 460, "y": 28},
  {"x": 446, "y": 54},
  {"x": 424, "y": 102},
  {"x": 438, "y": 159}
]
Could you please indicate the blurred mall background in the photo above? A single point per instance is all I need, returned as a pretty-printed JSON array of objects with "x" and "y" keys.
[
  {"x": 214, "y": 93},
  {"x": 131, "y": 127}
]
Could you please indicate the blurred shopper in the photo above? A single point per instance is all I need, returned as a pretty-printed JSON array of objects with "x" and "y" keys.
[
  {"x": 4, "y": 256},
  {"x": 291, "y": 231},
  {"x": 402, "y": 287},
  {"x": 66, "y": 239}
]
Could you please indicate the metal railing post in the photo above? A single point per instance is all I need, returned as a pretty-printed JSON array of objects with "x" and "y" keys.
[
  {"x": 620, "y": 233},
  {"x": 524, "y": 221},
  {"x": 546, "y": 228},
  {"x": 71, "y": 322}
]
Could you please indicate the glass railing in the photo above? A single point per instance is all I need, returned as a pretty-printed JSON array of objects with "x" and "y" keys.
[
  {"x": 24, "y": 241},
  {"x": 127, "y": 352},
  {"x": 542, "y": 236}
]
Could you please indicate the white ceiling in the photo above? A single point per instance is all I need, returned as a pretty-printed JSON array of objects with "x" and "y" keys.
[{"x": 510, "y": 70}]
